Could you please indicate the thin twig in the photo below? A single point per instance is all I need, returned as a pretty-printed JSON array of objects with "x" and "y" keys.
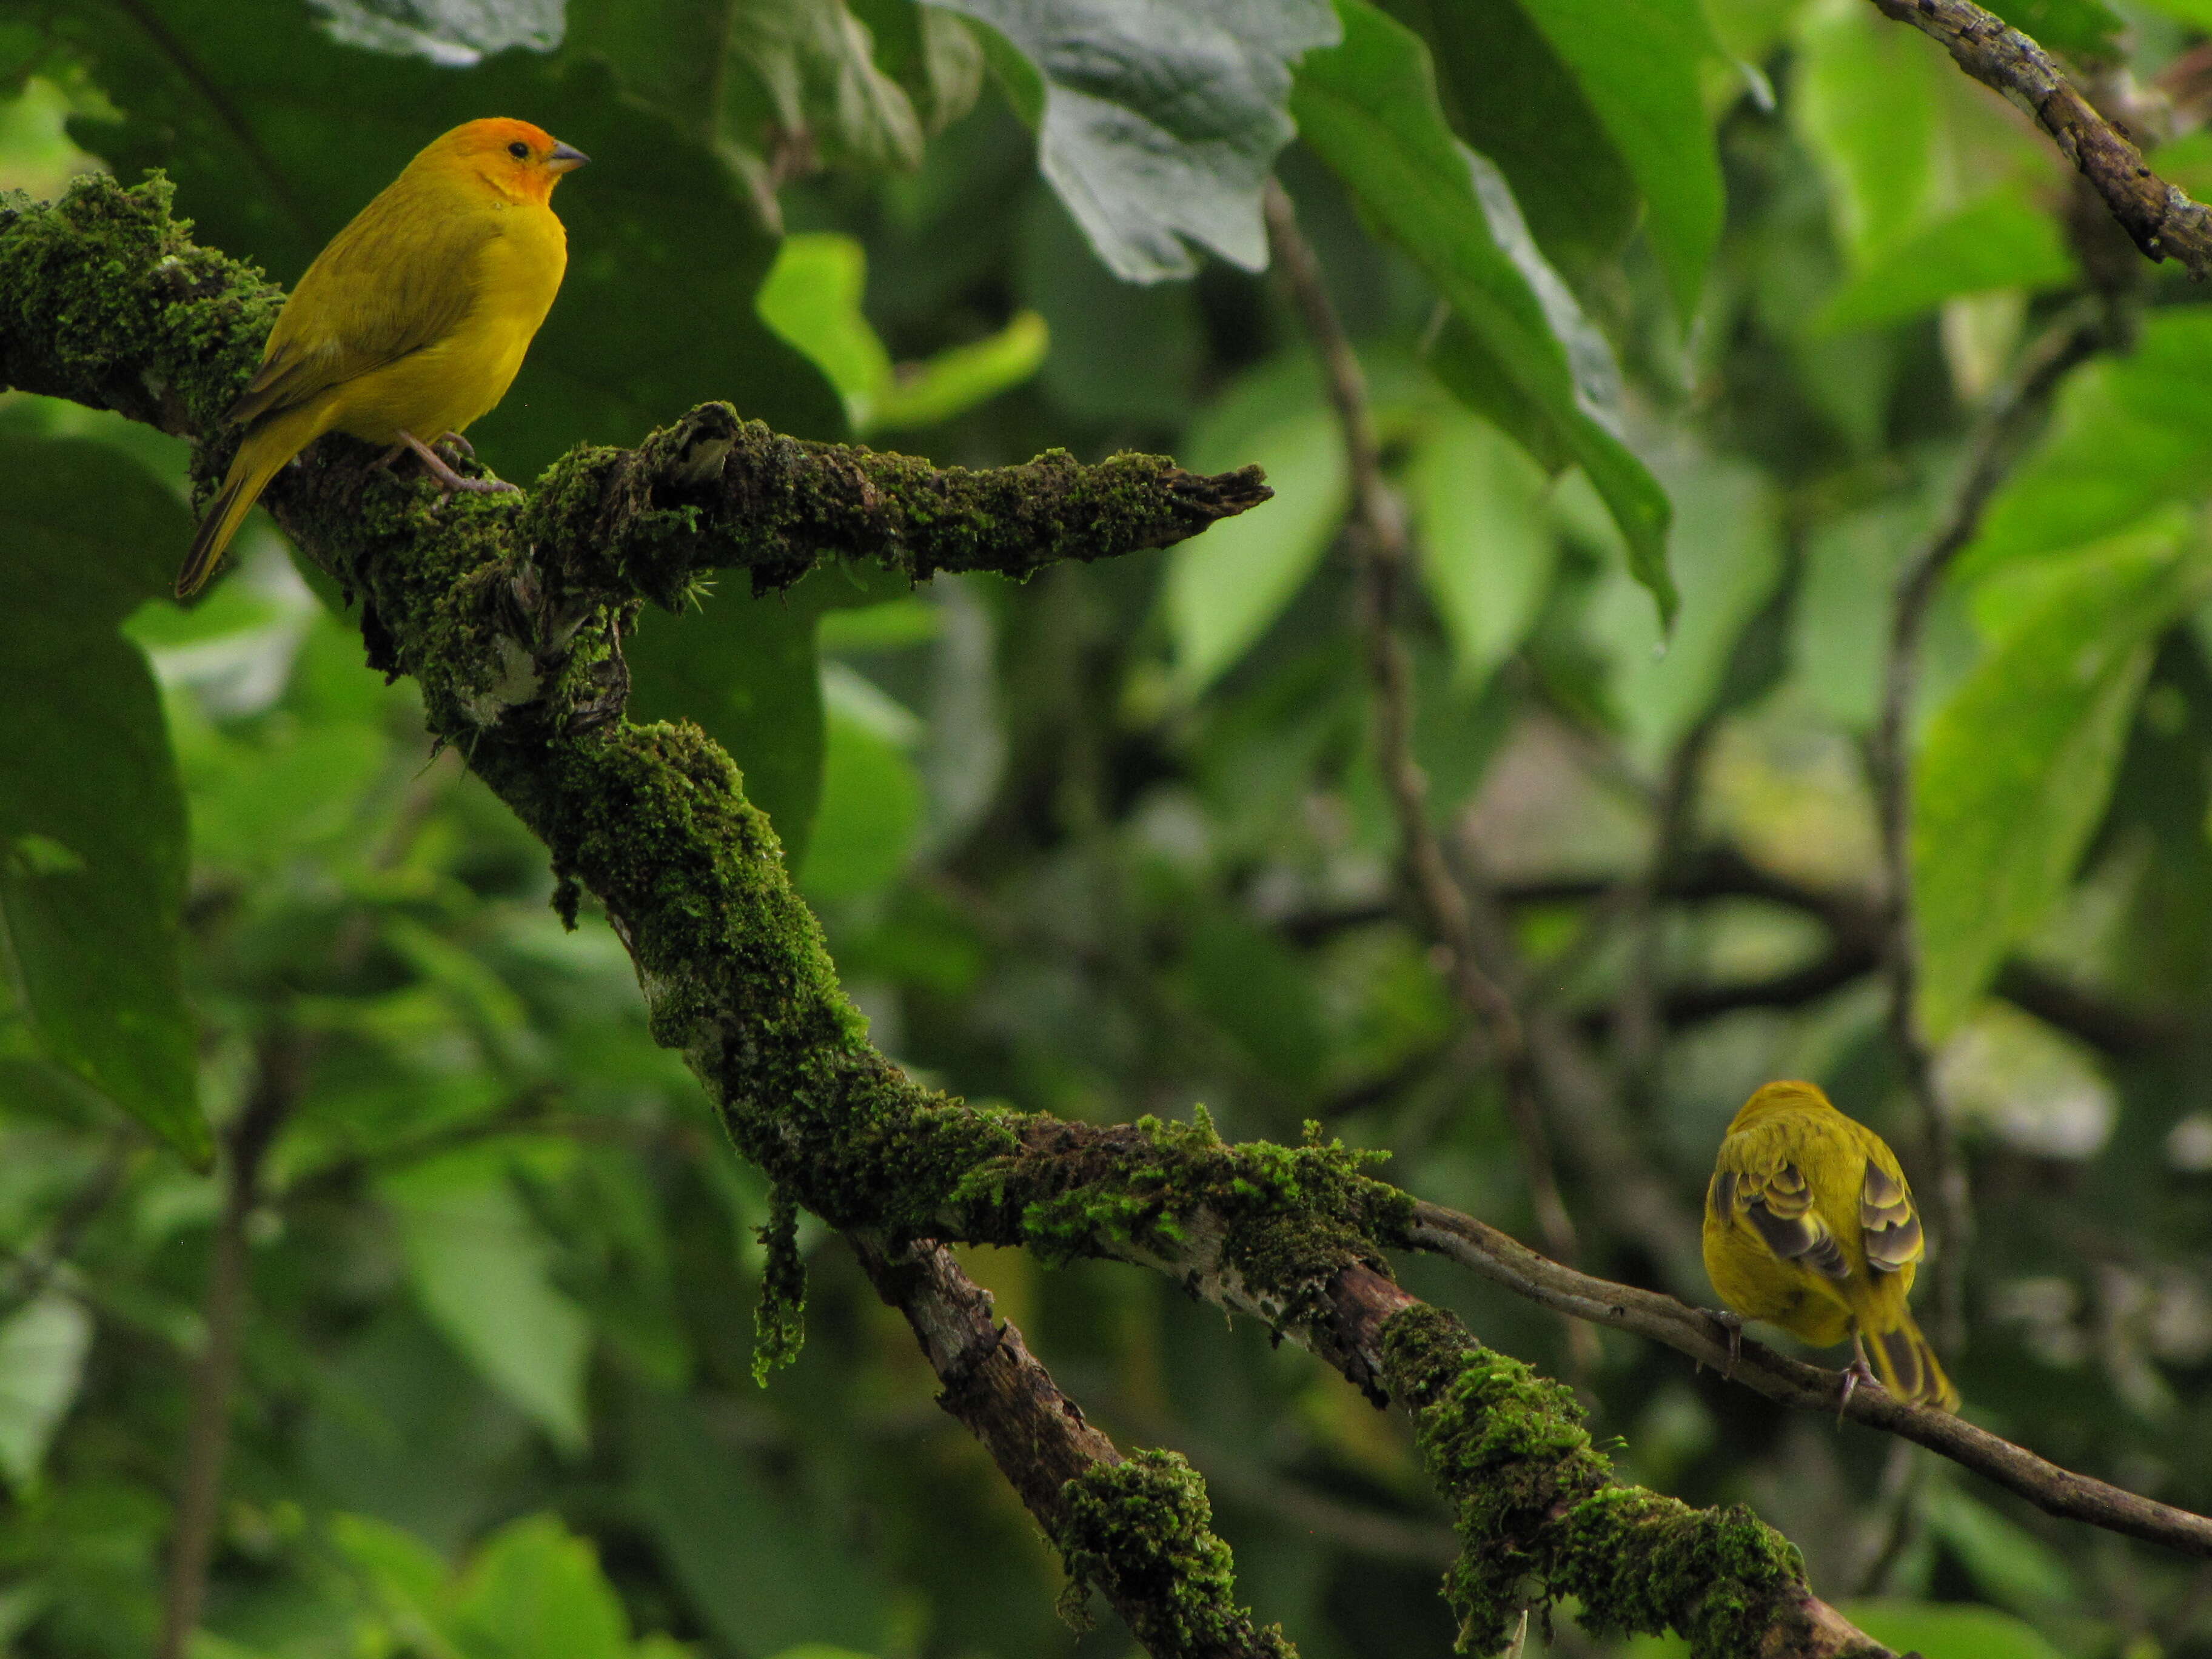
[
  {"x": 2162, "y": 220},
  {"x": 1903, "y": 1479},
  {"x": 2011, "y": 424},
  {"x": 214, "y": 1375},
  {"x": 1379, "y": 549},
  {"x": 1506, "y": 1263}
]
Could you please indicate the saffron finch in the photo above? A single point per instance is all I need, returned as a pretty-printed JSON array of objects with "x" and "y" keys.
[
  {"x": 412, "y": 323},
  {"x": 1809, "y": 1225}
]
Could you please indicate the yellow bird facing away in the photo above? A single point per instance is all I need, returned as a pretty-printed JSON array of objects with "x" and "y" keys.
[
  {"x": 1809, "y": 1225},
  {"x": 411, "y": 324}
]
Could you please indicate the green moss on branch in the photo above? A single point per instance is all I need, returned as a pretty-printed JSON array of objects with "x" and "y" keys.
[
  {"x": 1541, "y": 1519},
  {"x": 1141, "y": 1533},
  {"x": 713, "y": 492}
]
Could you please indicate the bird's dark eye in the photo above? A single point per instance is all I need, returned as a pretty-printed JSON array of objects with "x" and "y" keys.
[{"x": 519, "y": 150}]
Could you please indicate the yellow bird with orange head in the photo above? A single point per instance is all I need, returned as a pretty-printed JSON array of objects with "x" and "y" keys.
[{"x": 411, "y": 324}]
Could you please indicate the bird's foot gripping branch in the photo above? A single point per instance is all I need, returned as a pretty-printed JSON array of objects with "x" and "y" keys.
[{"x": 509, "y": 611}]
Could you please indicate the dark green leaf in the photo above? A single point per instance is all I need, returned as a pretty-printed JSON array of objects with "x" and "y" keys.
[
  {"x": 1161, "y": 120},
  {"x": 2086, "y": 28},
  {"x": 1508, "y": 94},
  {"x": 92, "y": 820},
  {"x": 1370, "y": 108},
  {"x": 1637, "y": 62},
  {"x": 763, "y": 1576}
]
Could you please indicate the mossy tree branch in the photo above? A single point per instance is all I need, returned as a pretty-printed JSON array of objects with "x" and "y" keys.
[
  {"x": 1138, "y": 1530},
  {"x": 514, "y": 643}
]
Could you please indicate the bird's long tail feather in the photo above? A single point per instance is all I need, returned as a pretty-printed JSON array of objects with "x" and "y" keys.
[
  {"x": 264, "y": 451},
  {"x": 1907, "y": 1367}
]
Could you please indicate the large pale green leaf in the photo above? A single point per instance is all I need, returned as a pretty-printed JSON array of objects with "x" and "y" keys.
[
  {"x": 2002, "y": 241},
  {"x": 1636, "y": 62},
  {"x": 1369, "y": 107},
  {"x": 2130, "y": 433},
  {"x": 1225, "y": 588},
  {"x": 1161, "y": 118},
  {"x": 42, "y": 1348},
  {"x": 482, "y": 1272},
  {"x": 1487, "y": 549},
  {"x": 2016, "y": 766},
  {"x": 812, "y": 298},
  {"x": 535, "y": 1591},
  {"x": 92, "y": 820},
  {"x": 1579, "y": 195},
  {"x": 872, "y": 801}
]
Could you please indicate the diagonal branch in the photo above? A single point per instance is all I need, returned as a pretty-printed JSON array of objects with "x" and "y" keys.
[
  {"x": 1167, "y": 1574},
  {"x": 2162, "y": 220}
]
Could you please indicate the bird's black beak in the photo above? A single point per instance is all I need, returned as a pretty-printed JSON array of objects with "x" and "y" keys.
[{"x": 566, "y": 158}]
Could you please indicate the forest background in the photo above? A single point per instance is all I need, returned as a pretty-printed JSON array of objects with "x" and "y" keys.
[{"x": 1755, "y": 308}]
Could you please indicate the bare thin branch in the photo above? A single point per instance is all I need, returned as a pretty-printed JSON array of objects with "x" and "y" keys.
[
  {"x": 214, "y": 1373},
  {"x": 2162, "y": 220},
  {"x": 1382, "y": 556},
  {"x": 1693, "y": 1331}
]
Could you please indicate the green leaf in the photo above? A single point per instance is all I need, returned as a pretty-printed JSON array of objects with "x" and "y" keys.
[
  {"x": 482, "y": 1272},
  {"x": 1865, "y": 105},
  {"x": 763, "y": 1572},
  {"x": 92, "y": 895},
  {"x": 1225, "y": 588},
  {"x": 960, "y": 378},
  {"x": 1487, "y": 550},
  {"x": 2015, "y": 767},
  {"x": 535, "y": 1591},
  {"x": 1580, "y": 197},
  {"x": 2002, "y": 241},
  {"x": 448, "y": 32},
  {"x": 812, "y": 298},
  {"x": 1728, "y": 556},
  {"x": 773, "y": 85},
  {"x": 2085, "y": 28},
  {"x": 872, "y": 799},
  {"x": 1369, "y": 108},
  {"x": 1955, "y": 1630},
  {"x": 2130, "y": 434},
  {"x": 1161, "y": 118},
  {"x": 239, "y": 104},
  {"x": 1636, "y": 62},
  {"x": 2010, "y": 1565},
  {"x": 42, "y": 1349}
]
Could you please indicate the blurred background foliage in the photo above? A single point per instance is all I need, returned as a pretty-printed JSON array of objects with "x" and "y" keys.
[{"x": 1112, "y": 841}]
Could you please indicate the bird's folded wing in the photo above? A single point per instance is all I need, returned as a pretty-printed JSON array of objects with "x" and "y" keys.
[
  {"x": 390, "y": 282},
  {"x": 1774, "y": 1199},
  {"x": 1889, "y": 1226}
]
